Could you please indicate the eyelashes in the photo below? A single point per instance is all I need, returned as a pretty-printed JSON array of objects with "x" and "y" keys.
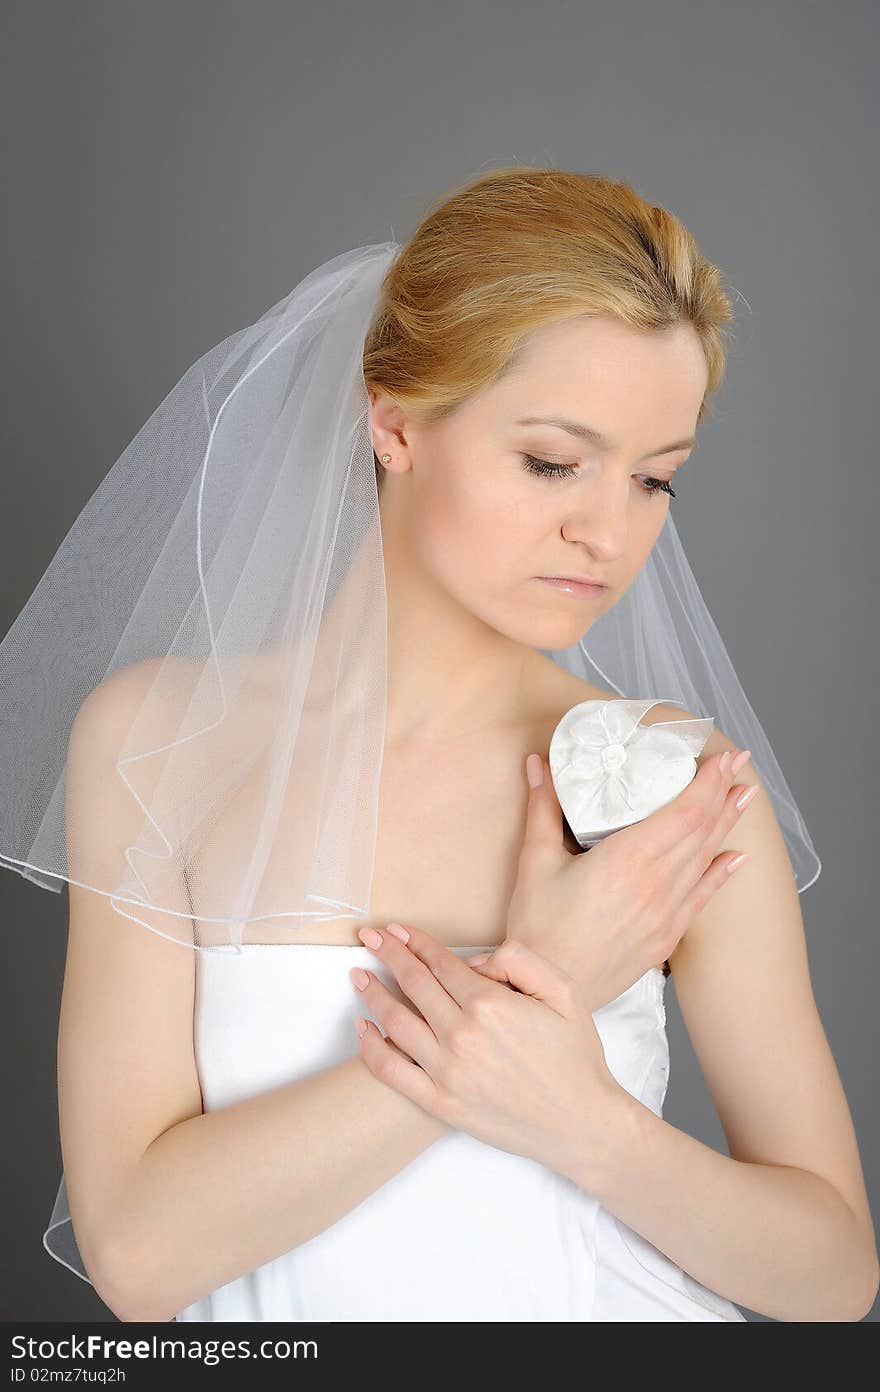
[{"x": 545, "y": 469}]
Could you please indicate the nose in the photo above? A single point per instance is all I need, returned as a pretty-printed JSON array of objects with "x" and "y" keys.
[{"x": 599, "y": 520}]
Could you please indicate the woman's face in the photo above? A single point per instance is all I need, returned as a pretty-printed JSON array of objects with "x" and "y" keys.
[{"x": 462, "y": 501}]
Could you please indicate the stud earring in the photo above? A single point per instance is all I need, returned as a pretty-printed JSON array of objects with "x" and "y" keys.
[{"x": 385, "y": 458}]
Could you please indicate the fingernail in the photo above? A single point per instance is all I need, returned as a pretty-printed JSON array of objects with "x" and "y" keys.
[
  {"x": 370, "y": 937},
  {"x": 747, "y": 796},
  {"x": 724, "y": 761},
  {"x": 361, "y": 1025},
  {"x": 741, "y": 759},
  {"x": 397, "y": 930},
  {"x": 479, "y": 958},
  {"x": 736, "y": 863},
  {"x": 359, "y": 977},
  {"x": 534, "y": 770}
]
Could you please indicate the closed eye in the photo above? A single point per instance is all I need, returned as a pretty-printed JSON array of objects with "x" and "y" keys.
[{"x": 545, "y": 469}]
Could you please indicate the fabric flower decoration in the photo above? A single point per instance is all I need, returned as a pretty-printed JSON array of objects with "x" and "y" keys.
[{"x": 609, "y": 771}]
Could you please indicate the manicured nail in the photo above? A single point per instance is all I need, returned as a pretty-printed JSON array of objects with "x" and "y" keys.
[
  {"x": 724, "y": 761},
  {"x": 535, "y": 770},
  {"x": 741, "y": 759},
  {"x": 747, "y": 796},
  {"x": 397, "y": 930},
  {"x": 736, "y": 862},
  {"x": 369, "y": 937},
  {"x": 359, "y": 977},
  {"x": 361, "y": 1025}
]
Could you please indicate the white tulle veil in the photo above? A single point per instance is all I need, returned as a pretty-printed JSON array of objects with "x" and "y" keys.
[{"x": 208, "y": 645}]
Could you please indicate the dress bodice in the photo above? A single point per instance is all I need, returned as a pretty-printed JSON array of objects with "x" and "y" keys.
[{"x": 465, "y": 1231}]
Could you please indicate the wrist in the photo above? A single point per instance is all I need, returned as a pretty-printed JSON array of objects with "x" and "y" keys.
[{"x": 601, "y": 1138}]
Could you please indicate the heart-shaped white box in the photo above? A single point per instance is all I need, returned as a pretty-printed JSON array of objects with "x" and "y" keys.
[{"x": 609, "y": 771}]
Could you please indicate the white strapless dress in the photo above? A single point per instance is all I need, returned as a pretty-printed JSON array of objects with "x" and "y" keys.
[{"x": 465, "y": 1231}]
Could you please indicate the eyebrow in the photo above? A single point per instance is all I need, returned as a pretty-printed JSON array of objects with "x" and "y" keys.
[{"x": 595, "y": 437}]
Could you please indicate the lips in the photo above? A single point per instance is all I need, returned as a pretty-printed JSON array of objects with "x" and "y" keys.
[
  {"x": 577, "y": 580},
  {"x": 576, "y": 589}
]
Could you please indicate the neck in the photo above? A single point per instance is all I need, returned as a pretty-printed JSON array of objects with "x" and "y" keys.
[{"x": 449, "y": 675}]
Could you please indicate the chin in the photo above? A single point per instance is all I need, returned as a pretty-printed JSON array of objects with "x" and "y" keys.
[
  {"x": 564, "y": 638},
  {"x": 546, "y": 635}
]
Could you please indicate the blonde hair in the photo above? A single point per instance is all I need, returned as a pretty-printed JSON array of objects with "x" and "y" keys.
[{"x": 516, "y": 248}]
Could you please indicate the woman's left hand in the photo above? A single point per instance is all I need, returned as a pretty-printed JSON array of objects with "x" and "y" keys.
[{"x": 518, "y": 1064}]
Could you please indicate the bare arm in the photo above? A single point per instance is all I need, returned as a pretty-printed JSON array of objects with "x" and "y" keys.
[
  {"x": 783, "y": 1224},
  {"x": 169, "y": 1203},
  {"x": 776, "y": 1238},
  {"x": 221, "y": 1193}
]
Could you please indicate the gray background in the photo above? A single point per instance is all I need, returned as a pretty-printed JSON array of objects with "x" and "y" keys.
[{"x": 172, "y": 169}]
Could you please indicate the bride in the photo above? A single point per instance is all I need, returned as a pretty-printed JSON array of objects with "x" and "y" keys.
[{"x": 492, "y": 1146}]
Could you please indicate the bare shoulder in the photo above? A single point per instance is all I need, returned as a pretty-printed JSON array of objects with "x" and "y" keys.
[
  {"x": 103, "y": 818},
  {"x": 556, "y": 690}
]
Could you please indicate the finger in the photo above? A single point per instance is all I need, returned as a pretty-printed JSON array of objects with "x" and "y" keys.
[
  {"x": 544, "y": 835},
  {"x": 712, "y": 790},
  {"x": 435, "y": 973},
  {"x": 486, "y": 965},
  {"x": 414, "y": 977},
  {"x": 409, "y": 1031},
  {"x": 732, "y": 811},
  {"x": 737, "y": 761},
  {"x": 709, "y": 883},
  {"x": 390, "y": 1067},
  {"x": 685, "y": 821},
  {"x": 516, "y": 964},
  {"x": 693, "y": 858}
]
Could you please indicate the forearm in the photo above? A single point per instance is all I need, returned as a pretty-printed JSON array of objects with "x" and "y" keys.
[
  {"x": 774, "y": 1238},
  {"x": 219, "y": 1194}
]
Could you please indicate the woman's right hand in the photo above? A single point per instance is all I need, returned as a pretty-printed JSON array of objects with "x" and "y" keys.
[{"x": 606, "y": 916}]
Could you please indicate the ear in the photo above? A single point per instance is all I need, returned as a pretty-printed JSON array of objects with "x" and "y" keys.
[{"x": 390, "y": 433}]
